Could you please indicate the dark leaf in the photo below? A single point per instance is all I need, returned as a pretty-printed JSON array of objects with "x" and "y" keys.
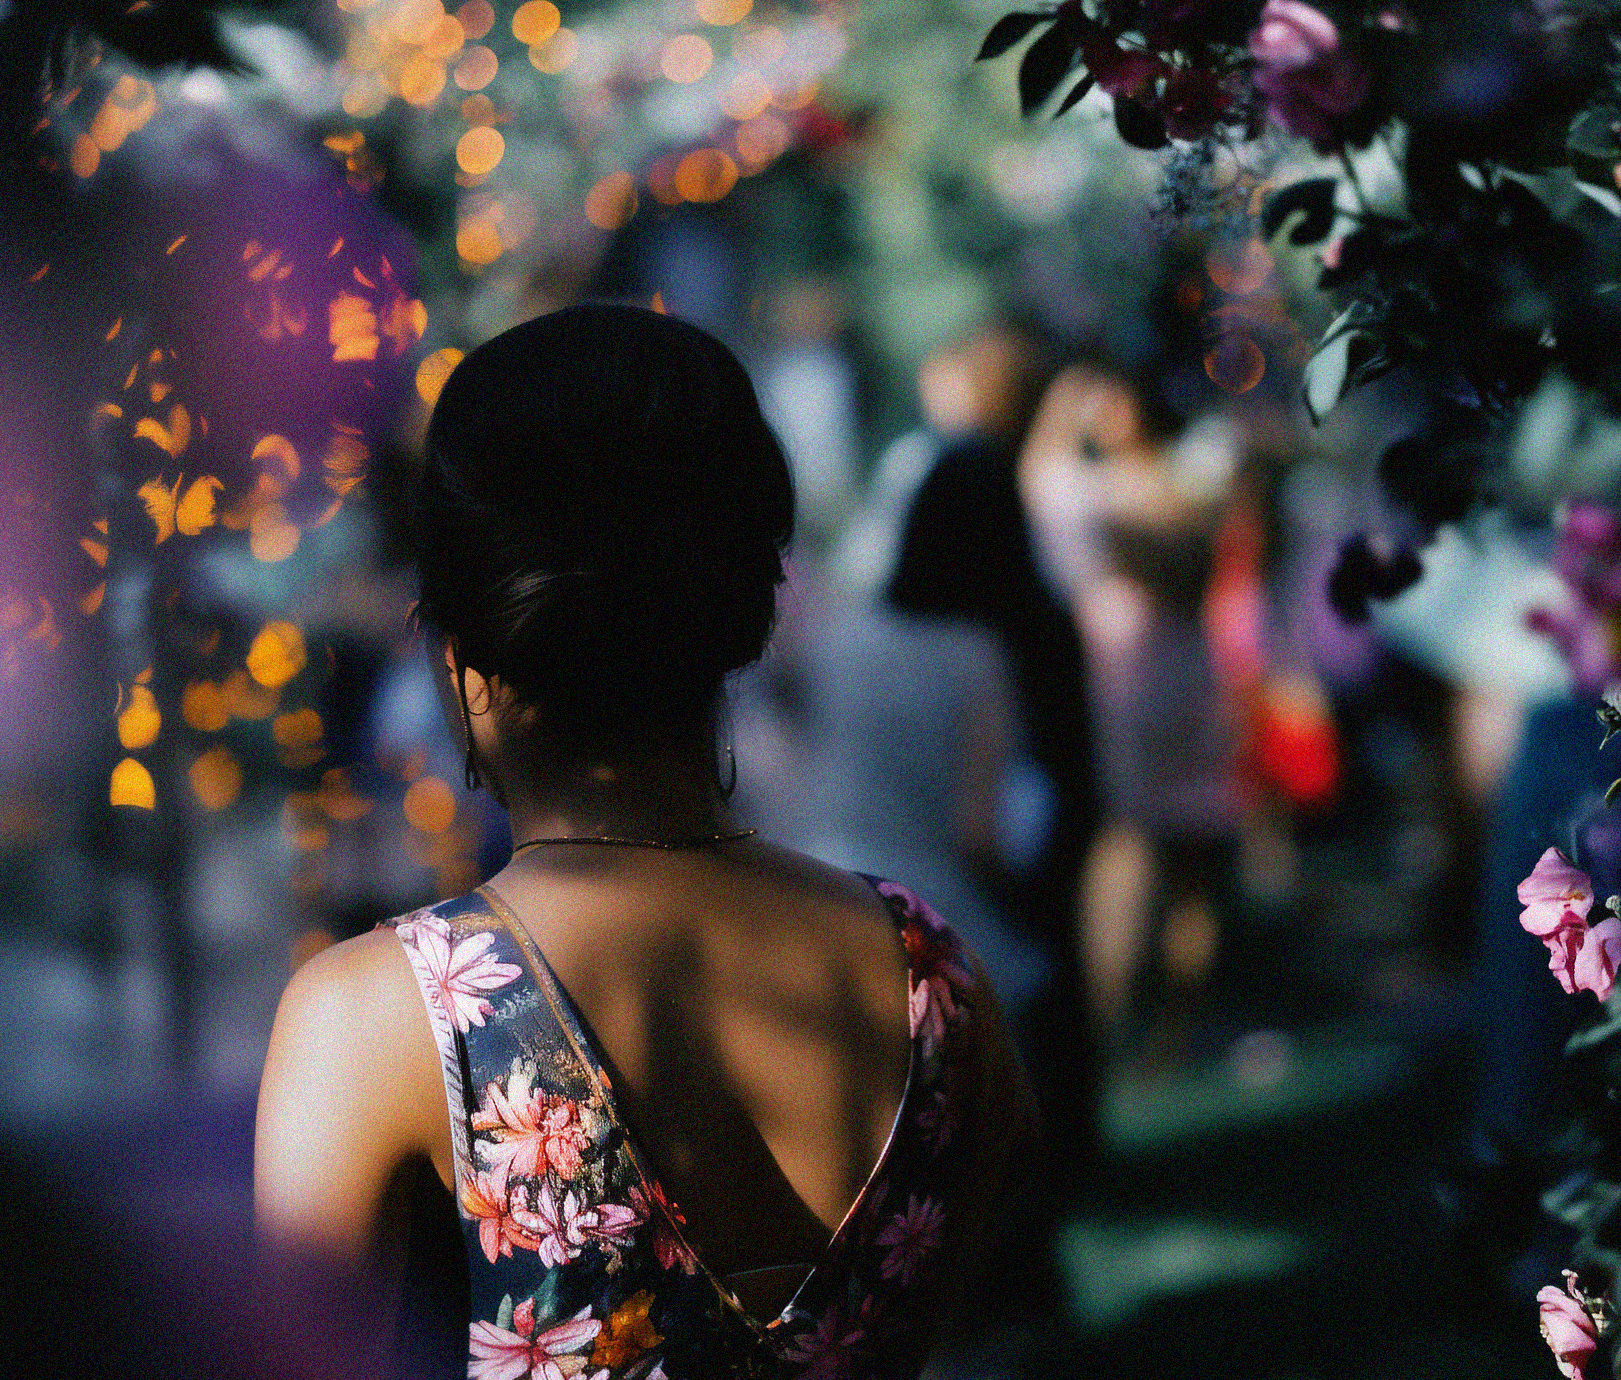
[
  {"x": 1046, "y": 62},
  {"x": 1076, "y": 92},
  {"x": 1007, "y": 31},
  {"x": 1615, "y": 790},
  {"x": 1139, "y": 126},
  {"x": 1362, "y": 574},
  {"x": 1314, "y": 197}
]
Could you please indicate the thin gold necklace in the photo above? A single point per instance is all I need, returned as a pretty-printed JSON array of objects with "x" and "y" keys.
[{"x": 695, "y": 841}]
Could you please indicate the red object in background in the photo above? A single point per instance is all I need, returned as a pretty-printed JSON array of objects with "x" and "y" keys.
[{"x": 1296, "y": 751}]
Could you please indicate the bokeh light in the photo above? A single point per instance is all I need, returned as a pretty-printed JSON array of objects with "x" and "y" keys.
[
  {"x": 1240, "y": 267},
  {"x": 477, "y": 18},
  {"x": 434, "y": 370},
  {"x": 276, "y": 655},
  {"x": 203, "y": 706},
  {"x": 429, "y": 805},
  {"x": 722, "y": 13},
  {"x": 686, "y": 58},
  {"x": 747, "y": 94},
  {"x": 131, "y": 784},
  {"x": 1235, "y": 363},
  {"x": 611, "y": 202},
  {"x": 216, "y": 778},
  {"x": 479, "y": 150},
  {"x": 761, "y": 140},
  {"x": 477, "y": 68},
  {"x": 556, "y": 53},
  {"x": 535, "y": 21},
  {"x": 705, "y": 175},
  {"x": 139, "y": 721}
]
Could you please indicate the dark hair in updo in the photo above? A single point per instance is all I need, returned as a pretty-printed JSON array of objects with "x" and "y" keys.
[{"x": 602, "y": 518}]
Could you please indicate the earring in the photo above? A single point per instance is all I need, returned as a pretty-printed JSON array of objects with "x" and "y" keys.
[{"x": 469, "y": 764}]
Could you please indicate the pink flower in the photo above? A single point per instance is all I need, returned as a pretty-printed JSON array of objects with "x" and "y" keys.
[
  {"x": 825, "y": 1349},
  {"x": 1557, "y": 894},
  {"x": 485, "y": 1199},
  {"x": 1306, "y": 76},
  {"x": 1564, "y": 952},
  {"x": 658, "y": 1209},
  {"x": 561, "y": 1228},
  {"x": 614, "y": 1224},
  {"x": 1595, "y": 963},
  {"x": 1566, "y": 1326},
  {"x": 494, "y": 1353},
  {"x": 457, "y": 976},
  {"x": 530, "y": 1132},
  {"x": 912, "y": 1234}
]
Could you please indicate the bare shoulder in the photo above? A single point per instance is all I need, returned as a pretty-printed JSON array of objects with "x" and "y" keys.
[{"x": 350, "y": 1087}]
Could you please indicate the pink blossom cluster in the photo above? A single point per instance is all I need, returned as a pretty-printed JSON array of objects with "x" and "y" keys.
[
  {"x": 1304, "y": 71},
  {"x": 1557, "y": 897},
  {"x": 1588, "y": 559}
]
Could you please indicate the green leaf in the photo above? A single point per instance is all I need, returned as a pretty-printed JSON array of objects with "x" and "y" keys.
[
  {"x": 1046, "y": 62},
  {"x": 1007, "y": 31},
  {"x": 1314, "y": 197},
  {"x": 1615, "y": 790},
  {"x": 503, "y": 1314},
  {"x": 1326, "y": 374}
]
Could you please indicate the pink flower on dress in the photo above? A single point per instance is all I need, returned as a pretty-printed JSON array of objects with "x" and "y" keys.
[
  {"x": 1566, "y": 1326},
  {"x": 560, "y": 1227},
  {"x": 934, "y": 1119},
  {"x": 494, "y": 1353},
  {"x": 1306, "y": 76},
  {"x": 530, "y": 1132},
  {"x": 459, "y": 975},
  {"x": 485, "y": 1198},
  {"x": 614, "y": 1224},
  {"x": 912, "y": 1235},
  {"x": 658, "y": 1209},
  {"x": 825, "y": 1349}
]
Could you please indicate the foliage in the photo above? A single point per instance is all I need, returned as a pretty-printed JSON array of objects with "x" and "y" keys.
[{"x": 1484, "y": 270}]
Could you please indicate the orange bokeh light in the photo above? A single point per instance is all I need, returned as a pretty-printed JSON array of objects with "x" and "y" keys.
[
  {"x": 1239, "y": 269},
  {"x": 611, "y": 202},
  {"x": 535, "y": 21},
  {"x": 276, "y": 655},
  {"x": 479, "y": 150},
  {"x": 760, "y": 140},
  {"x": 434, "y": 370},
  {"x": 705, "y": 175},
  {"x": 556, "y": 53},
  {"x": 722, "y": 13},
  {"x": 747, "y": 94},
  {"x": 216, "y": 778},
  {"x": 477, "y": 18},
  {"x": 1235, "y": 363},
  {"x": 429, "y": 805}
]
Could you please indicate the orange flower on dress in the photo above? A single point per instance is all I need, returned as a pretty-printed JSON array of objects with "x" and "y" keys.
[{"x": 627, "y": 1333}]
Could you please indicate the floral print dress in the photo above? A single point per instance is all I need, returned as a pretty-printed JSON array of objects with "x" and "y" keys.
[{"x": 577, "y": 1260}]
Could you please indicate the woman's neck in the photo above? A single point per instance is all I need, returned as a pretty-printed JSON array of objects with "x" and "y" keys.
[{"x": 660, "y": 793}]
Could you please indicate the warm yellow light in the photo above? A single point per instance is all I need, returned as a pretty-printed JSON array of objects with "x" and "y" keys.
[
  {"x": 445, "y": 39},
  {"x": 722, "y": 13},
  {"x": 422, "y": 79},
  {"x": 276, "y": 655},
  {"x": 140, "y": 720},
  {"x": 555, "y": 54},
  {"x": 611, "y": 202},
  {"x": 131, "y": 785},
  {"x": 434, "y": 370},
  {"x": 477, "y": 68},
  {"x": 429, "y": 805},
  {"x": 364, "y": 97},
  {"x": 479, "y": 150},
  {"x": 1239, "y": 269},
  {"x": 478, "y": 110},
  {"x": 173, "y": 437},
  {"x": 705, "y": 175},
  {"x": 686, "y": 58},
  {"x": 535, "y": 21},
  {"x": 278, "y": 450},
  {"x": 203, "y": 707},
  {"x": 351, "y": 328},
  {"x": 415, "y": 20},
  {"x": 216, "y": 778},
  {"x": 478, "y": 241},
  {"x": 297, "y": 728},
  {"x": 246, "y": 699}
]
